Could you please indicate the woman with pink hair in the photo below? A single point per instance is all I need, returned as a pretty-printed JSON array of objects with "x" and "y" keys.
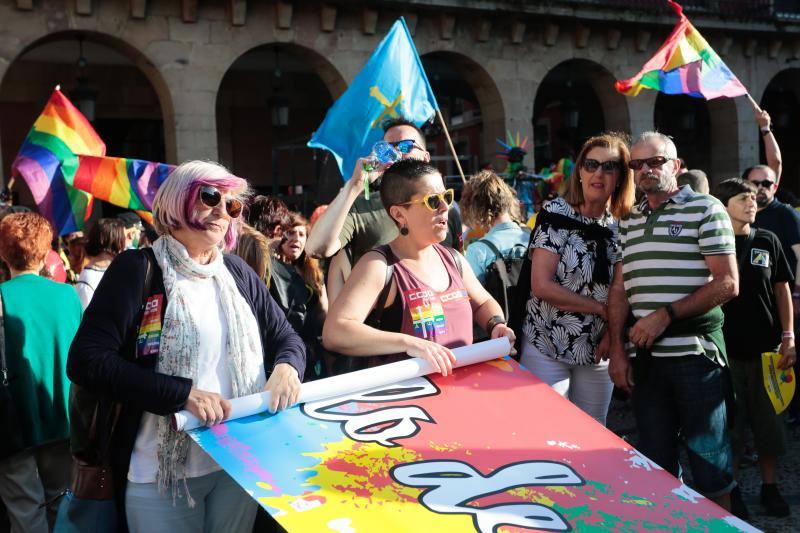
[{"x": 182, "y": 326}]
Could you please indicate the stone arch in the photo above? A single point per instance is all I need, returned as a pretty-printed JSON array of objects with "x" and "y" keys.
[
  {"x": 486, "y": 92},
  {"x": 277, "y": 156},
  {"x": 781, "y": 99},
  {"x": 121, "y": 46},
  {"x": 575, "y": 99}
]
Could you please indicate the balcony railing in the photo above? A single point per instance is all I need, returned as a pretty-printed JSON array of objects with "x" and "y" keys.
[{"x": 747, "y": 10}]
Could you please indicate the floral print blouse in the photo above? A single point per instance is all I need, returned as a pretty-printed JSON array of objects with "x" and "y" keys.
[{"x": 568, "y": 336}]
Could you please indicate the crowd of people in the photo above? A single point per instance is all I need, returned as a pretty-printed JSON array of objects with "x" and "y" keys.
[{"x": 639, "y": 280}]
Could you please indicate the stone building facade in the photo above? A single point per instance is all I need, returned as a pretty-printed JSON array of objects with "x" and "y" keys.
[{"x": 504, "y": 51}]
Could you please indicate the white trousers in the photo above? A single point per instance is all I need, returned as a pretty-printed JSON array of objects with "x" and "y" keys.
[{"x": 587, "y": 386}]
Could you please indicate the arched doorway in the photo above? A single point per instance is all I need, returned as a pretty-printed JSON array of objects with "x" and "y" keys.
[
  {"x": 128, "y": 105},
  {"x": 782, "y": 100},
  {"x": 471, "y": 107},
  {"x": 705, "y": 133},
  {"x": 575, "y": 100},
  {"x": 269, "y": 103},
  {"x": 688, "y": 121}
]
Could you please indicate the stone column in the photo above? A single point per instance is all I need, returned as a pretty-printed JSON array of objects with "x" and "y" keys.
[
  {"x": 746, "y": 151},
  {"x": 517, "y": 100},
  {"x": 192, "y": 67},
  {"x": 642, "y": 111}
]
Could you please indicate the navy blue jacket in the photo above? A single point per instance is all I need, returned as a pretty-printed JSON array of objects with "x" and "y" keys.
[{"x": 102, "y": 361}]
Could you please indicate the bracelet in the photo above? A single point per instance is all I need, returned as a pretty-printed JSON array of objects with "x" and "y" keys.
[
  {"x": 492, "y": 322},
  {"x": 766, "y": 131},
  {"x": 787, "y": 335},
  {"x": 670, "y": 312}
]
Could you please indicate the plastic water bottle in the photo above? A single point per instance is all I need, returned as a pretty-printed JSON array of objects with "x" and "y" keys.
[{"x": 383, "y": 154}]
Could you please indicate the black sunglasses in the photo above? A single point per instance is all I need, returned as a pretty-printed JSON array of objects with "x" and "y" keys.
[
  {"x": 211, "y": 197},
  {"x": 591, "y": 165},
  {"x": 652, "y": 162},
  {"x": 767, "y": 184},
  {"x": 406, "y": 145}
]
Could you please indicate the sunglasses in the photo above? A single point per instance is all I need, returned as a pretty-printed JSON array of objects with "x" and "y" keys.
[
  {"x": 211, "y": 197},
  {"x": 652, "y": 162},
  {"x": 767, "y": 184},
  {"x": 406, "y": 145},
  {"x": 591, "y": 165},
  {"x": 434, "y": 201}
]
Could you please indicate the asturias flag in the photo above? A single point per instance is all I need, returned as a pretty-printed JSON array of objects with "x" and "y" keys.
[
  {"x": 685, "y": 64},
  {"x": 391, "y": 84},
  {"x": 48, "y": 159}
]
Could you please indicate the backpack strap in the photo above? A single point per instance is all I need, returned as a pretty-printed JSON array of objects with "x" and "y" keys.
[
  {"x": 492, "y": 247},
  {"x": 148, "y": 275},
  {"x": 456, "y": 259},
  {"x": 374, "y": 317}
]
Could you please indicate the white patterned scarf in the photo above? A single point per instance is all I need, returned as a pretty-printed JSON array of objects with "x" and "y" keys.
[{"x": 180, "y": 345}]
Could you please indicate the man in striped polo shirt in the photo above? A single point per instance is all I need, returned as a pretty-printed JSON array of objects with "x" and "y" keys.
[{"x": 678, "y": 266}]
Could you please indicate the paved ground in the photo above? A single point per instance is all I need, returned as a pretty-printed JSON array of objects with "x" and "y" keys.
[{"x": 620, "y": 420}]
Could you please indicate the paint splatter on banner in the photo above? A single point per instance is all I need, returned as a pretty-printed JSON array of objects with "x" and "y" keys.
[{"x": 490, "y": 448}]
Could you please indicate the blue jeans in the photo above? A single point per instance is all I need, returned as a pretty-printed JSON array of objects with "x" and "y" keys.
[
  {"x": 685, "y": 398},
  {"x": 221, "y": 506}
]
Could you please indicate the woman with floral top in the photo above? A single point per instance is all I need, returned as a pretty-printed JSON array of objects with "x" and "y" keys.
[{"x": 573, "y": 251}]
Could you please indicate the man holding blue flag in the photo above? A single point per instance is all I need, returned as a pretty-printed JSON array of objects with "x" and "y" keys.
[{"x": 389, "y": 100}]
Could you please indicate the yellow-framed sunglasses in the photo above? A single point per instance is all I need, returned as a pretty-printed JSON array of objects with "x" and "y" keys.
[{"x": 434, "y": 200}]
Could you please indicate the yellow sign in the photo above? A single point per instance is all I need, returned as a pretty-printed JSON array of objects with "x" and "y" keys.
[{"x": 780, "y": 384}]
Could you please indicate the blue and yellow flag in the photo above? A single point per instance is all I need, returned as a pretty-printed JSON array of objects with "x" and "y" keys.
[{"x": 391, "y": 84}]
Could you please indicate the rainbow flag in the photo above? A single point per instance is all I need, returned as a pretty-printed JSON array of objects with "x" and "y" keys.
[
  {"x": 47, "y": 161},
  {"x": 129, "y": 183},
  {"x": 685, "y": 64}
]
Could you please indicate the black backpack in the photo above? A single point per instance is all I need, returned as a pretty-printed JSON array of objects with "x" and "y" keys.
[{"x": 503, "y": 276}]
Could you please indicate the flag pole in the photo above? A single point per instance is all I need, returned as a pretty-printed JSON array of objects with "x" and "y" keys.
[
  {"x": 753, "y": 103},
  {"x": 452, "y": 148}
]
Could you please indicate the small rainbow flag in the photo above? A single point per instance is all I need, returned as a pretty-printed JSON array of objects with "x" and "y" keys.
[
  {"x": 685, "y": 64},
  {"x": 129, "y": 183},
  {"x": 47, "y": 161}
]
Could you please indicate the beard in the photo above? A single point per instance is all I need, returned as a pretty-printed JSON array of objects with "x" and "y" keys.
[
  {"x": 762, "y": 200},
  {"x": 651, "y": 182}
]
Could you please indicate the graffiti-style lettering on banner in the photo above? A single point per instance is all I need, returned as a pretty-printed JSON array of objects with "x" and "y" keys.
[{"x": 488, "y": 449}]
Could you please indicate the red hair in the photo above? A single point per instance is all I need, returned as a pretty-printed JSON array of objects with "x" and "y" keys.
[{"x": 24, "y": 240}]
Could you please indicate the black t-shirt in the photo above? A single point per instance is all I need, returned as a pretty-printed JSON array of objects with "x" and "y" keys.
[
  {"x": 752, "y": 325},
  {"x": 782, "y": 220}
]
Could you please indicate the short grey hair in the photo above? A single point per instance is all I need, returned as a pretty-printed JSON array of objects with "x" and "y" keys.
[
  {"x": 669, "y": 144},
  {"x": 696, "y": 179}
]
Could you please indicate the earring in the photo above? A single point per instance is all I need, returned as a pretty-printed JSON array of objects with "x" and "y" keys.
[{"x": 404, "y": 231}]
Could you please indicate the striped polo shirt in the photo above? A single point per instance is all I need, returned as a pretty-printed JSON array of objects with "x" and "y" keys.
[{"x": 663, "y": 259}]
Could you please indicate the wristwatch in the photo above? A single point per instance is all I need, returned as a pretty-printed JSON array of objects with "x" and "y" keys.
[
  {"x": 492, "y": 322},
  {"x": 766, "y": 131}
]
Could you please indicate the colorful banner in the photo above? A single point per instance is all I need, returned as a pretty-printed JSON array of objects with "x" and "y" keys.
[{"x": 489, "y": 448}]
